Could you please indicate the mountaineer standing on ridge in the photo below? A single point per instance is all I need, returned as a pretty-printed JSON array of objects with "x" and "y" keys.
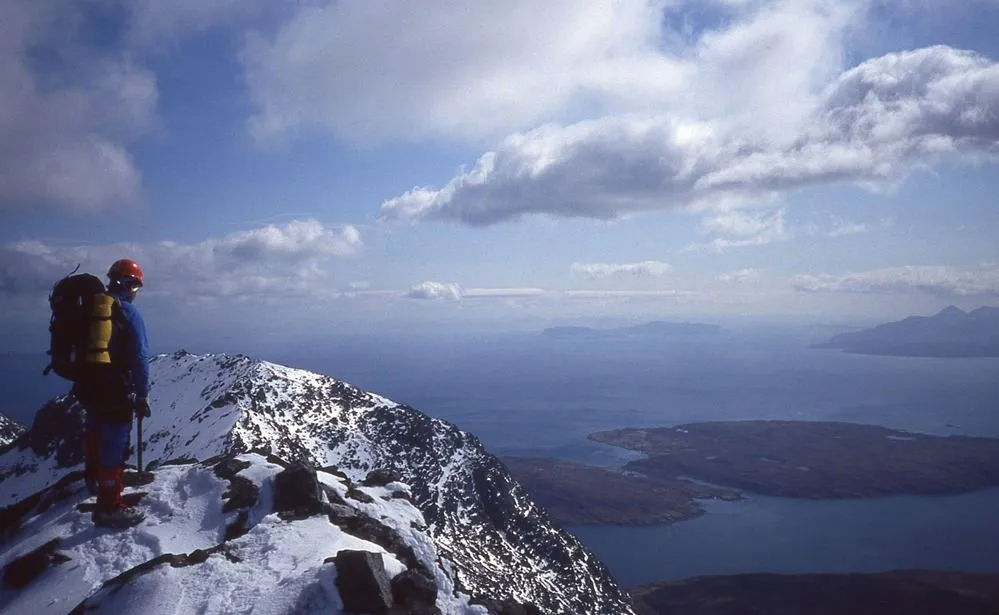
[{"x": 112, "y": 383}]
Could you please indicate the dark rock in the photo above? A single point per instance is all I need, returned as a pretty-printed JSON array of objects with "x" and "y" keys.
[
  {"x": 238, "y": 527},
  {"x": 332, "y": 495},
  {"x": 278, "y": 461},
  {"x": 242, "y": 493},
  {"x": 335, "y": 471},
  {"x": 229, "y": 467},
  {"x": 296, "y": 491},
  {"x": 25, "y": 569},
  {"x": 401, "y": 495},
  {"x": 138, "y": 479},
  {"x": 363, "y": 583},
  {"x": 178, "y": 461},
  {"x": 12, "y": 516},
  {"x": 339, "y": 513},
  {"x": 359, "y": 495},
  {"x": 58, "y": 429},
  {"x": 414, "y": 588},
  {"x": 381, "y": 477},
  {"x": 507, "y": 606}
]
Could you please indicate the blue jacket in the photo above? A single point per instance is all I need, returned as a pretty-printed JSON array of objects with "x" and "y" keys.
[{"x": 132, "y": 349}]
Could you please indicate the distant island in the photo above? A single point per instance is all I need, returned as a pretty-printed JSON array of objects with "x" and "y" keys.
[
  {"x": 578, "y": 494},
  {"x": 650, "y": 329},
  {"x": 952, "y": 332},
  {"x": 914, "y": 592},
  {"x": 819, "y": 460}
]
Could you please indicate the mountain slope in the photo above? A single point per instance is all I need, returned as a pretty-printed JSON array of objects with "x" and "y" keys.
[
  {"x": 952, "y": 332},
  {"x": 498, "y": 542},
  {"x": 9, "y": 429}
]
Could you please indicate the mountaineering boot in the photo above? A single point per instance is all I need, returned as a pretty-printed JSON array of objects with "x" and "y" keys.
[
  {"x": 111, "y": 510},
  {"x": 121, "y": 518}
]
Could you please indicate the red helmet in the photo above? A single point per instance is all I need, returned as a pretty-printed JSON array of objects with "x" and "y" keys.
[{"x": 125, "y": 268}]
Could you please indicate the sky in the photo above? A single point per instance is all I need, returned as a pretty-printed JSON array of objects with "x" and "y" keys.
[{"x": 287, "y": 169}]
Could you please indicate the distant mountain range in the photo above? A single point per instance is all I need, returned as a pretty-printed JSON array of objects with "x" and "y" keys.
[
  {"x": 952, "y": 332},
  {"x": 650, "y": 329}
]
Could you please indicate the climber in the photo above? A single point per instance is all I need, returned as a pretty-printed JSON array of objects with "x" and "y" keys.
[{"x": 112, "y": 386}]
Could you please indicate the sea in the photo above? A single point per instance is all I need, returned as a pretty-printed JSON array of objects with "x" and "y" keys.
[{"x": 528, "y": 394}]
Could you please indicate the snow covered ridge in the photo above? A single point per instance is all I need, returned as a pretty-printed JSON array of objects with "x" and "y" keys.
[
  {"x": 9, "y": 429},
  {"x": 491, "y": 538},
  {"x": 221, "y": 537}
]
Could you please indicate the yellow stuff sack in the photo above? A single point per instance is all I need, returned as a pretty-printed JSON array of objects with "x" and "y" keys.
[{"x": 99, "y": 337}]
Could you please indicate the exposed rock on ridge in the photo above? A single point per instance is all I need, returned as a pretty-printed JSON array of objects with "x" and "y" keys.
[{"x": 496, "y": 541}]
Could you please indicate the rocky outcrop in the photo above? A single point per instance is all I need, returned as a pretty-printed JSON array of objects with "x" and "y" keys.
[
  {"x": 497, "y": 542},
  {"x": 9, "y": 430}
]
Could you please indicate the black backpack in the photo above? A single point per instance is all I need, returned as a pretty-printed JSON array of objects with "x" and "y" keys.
[{"x": 71, "y": 301}]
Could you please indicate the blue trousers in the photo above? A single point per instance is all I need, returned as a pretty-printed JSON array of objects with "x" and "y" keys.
[{"x": 106, "y": 443}]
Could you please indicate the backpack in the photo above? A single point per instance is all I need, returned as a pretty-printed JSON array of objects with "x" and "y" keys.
[{"x": 80, "y": 326}]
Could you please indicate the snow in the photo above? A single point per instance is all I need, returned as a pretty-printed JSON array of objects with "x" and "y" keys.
[
  {"x": 44, "y": 471},
  {"x": 281, "y": 571},
  {"x": 280, "y": 567},
  {"x": 210, "y": 405},
  {"x": 183, "y": 513}
]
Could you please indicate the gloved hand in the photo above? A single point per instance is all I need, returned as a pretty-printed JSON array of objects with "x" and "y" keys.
[{"x": 142, "y": 408}]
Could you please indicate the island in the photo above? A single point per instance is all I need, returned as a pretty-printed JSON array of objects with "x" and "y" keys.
[
  {"x": 579, "y": 494},
  {"x": 952, "y": 332},
  {"x": 811, "y": 459},
  {"x": 914, "y": 592}
]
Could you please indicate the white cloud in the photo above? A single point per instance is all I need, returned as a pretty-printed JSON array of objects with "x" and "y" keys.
[
  {"x": 69, "y": 115},
  {"x": 604, "y": 270},
  {"x": 502, "y": 293},
  {"x": 270, "y": 259},
  {"x": 871, "y": 125},
  {"x": 626, "y": 295},
  {"x": 387, "y": 69},
  {"x": 741, "y": 276},
  {"x": 435, "y": 290},
  {"x": 848, "y": 228},
  {"x": 935, "y": 279},
  {"x": 743, "y": 228}
]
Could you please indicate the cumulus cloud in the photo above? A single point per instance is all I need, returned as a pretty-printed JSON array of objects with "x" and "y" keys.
[
  {"x": 871, "y": 125},
  {"x": 934, "y": 279},
  {"x": 366, "y": 70},
  {"x": 605, "y": 270},
  {"x": 70, "y": 115},
  {"x": 435, "y": 290},
  {"x": 271, "y": 259}
]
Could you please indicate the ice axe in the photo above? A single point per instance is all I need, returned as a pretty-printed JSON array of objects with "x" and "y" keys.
[
  {"x": 141, "y": 411},
  {"x": 138, "y": 446}
]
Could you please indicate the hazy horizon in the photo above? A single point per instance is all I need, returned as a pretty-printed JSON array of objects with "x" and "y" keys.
[{"x": 337, "y": 167}]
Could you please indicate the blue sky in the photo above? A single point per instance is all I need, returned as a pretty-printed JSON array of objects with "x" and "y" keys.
[{"x": 363, "y": 166}]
